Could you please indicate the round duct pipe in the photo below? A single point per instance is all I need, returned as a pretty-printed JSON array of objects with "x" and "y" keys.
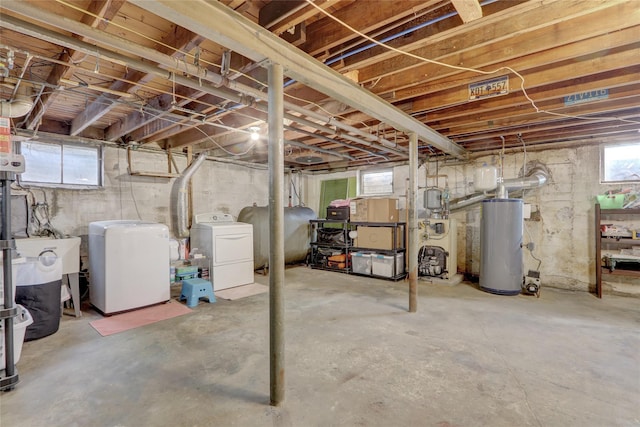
[
  {"x": 20, "y": 105},
  {"x": 180, "y": 197},
  {"x": 465, "y": 202},
  {"x": 537, "y": 176}
]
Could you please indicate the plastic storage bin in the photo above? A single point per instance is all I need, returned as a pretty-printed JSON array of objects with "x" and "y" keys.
[
  {"x": 20, "y": 323},
  {"x": 387, "y": 265},
  {"x": 361, "y": 263},
  {"x": 610, "y": 201}
]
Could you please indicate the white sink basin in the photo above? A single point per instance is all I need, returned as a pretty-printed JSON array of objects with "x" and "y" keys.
[{"x": 68, "y": 249}]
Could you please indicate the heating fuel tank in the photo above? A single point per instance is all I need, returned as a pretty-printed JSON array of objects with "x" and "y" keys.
[{"x": 296, "y": 233}]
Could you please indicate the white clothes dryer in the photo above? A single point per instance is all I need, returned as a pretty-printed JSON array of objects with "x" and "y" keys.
[{"x": 228, "y": 245}]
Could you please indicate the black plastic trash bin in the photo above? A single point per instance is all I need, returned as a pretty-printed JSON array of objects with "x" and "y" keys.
[{"x": 38, "y": 289}]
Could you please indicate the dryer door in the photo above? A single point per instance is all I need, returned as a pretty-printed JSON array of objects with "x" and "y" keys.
[{"x": 232, "y": 244}]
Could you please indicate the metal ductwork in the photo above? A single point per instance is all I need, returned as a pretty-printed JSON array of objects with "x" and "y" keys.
[
  {"x": 537, "y": 176},
  {"x": 180, "y": 197},
  {"x": 21, "y": 103},
  {"x": 465, "y": 202}
]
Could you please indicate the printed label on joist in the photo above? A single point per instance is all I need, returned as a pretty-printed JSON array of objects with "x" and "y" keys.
[
  {"x": 592, "y": 95},
  {"x": 488, "y": 88}
]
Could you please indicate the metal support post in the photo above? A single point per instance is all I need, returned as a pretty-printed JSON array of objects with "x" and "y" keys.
[
  {"x": 276, "y": 233},
  {"x": 412, "y": 203},
  {"x": 8, "y": 310}
]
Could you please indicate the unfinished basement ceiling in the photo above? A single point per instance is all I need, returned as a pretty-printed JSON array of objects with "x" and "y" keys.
[{"x": 191, "y": 73}]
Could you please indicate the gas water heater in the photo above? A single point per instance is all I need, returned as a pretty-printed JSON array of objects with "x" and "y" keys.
[{"x": 501, "y": 261}]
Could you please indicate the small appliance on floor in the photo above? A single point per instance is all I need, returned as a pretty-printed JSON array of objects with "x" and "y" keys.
[{"x": 128, "y": 264}]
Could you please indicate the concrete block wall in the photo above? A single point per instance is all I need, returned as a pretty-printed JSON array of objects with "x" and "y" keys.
[
  {"x": 227, "y": 188},
  {"x": 562, "y": 229},
  {"x": 217, "y": 186},
  {"x": 562, "y": 225}
]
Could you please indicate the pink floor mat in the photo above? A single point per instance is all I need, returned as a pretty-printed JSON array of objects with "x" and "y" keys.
[{"x": 136, "y": 318}]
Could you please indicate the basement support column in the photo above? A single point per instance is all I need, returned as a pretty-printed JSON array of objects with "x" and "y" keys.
[
  {"x": 412, "y": 203},
  {"x": 276, "y": 232}
]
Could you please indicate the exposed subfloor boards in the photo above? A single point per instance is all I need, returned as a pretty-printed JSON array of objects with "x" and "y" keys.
[{"x": 355, "y": 356}]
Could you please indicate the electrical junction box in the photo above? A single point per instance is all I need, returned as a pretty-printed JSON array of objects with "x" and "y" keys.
[{"x": 11, "y": 163}]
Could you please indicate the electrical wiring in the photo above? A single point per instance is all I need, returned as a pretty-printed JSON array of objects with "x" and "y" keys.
[
  {"x": 524, "y": 160},
  {"x": 137, "y": 33},
  {"x": 40, "y": 216},
  {"x": 120, "y": 187},
  {"x": 178, "y": 65},
  {"x": 199, "y": 59},
  {"x": 531, "y": 250},
  {"x": 38, "y": 220},
  {"x": 329, "y": 113},
  {"x": 473, "y": 70},
  {"x": 196, "y": 59},
  {"x": 133, "y": 197},
  {"x": 251, "y": 147},
  {"x": 295, "y": 191}
]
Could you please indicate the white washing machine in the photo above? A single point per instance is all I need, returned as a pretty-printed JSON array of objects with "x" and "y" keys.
[
  {"x": 128, "y": 264},
  {"x": 228, "y": 245}
]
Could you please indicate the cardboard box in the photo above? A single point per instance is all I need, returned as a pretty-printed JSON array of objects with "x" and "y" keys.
[
  {"x": 377, "y": 238},
  {"x": 374, "y": 210},
  {"x": 358, "y": 210}
]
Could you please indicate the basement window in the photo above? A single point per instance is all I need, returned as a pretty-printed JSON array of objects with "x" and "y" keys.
[
  {"x": 620, "y": 163},
  {"x": 61, "y": 165},
  {"x": 376, "y": 182}
]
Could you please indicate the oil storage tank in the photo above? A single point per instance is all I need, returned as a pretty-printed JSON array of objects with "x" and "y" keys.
[
  {"x": 296, "y": 233},
  {"x": 501, "y": 263}
]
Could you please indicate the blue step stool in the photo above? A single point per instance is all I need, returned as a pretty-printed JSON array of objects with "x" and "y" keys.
[{"x": 194, "y": 289}]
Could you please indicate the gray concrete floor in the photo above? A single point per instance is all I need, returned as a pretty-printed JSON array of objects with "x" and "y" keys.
[{"x": 354, "y": 357}]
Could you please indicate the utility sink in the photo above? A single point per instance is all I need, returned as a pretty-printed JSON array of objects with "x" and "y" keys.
[{"x": 67, "y": 249}]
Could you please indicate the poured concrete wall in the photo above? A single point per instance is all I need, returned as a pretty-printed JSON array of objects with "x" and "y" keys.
[{"x": 562, "y": 223}]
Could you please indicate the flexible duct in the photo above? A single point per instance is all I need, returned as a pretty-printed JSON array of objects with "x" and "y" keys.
[
  {"x": 20, "y": 105},
  {"x": 537, "y": 177},
  {"x": 180, "y": 197}
]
